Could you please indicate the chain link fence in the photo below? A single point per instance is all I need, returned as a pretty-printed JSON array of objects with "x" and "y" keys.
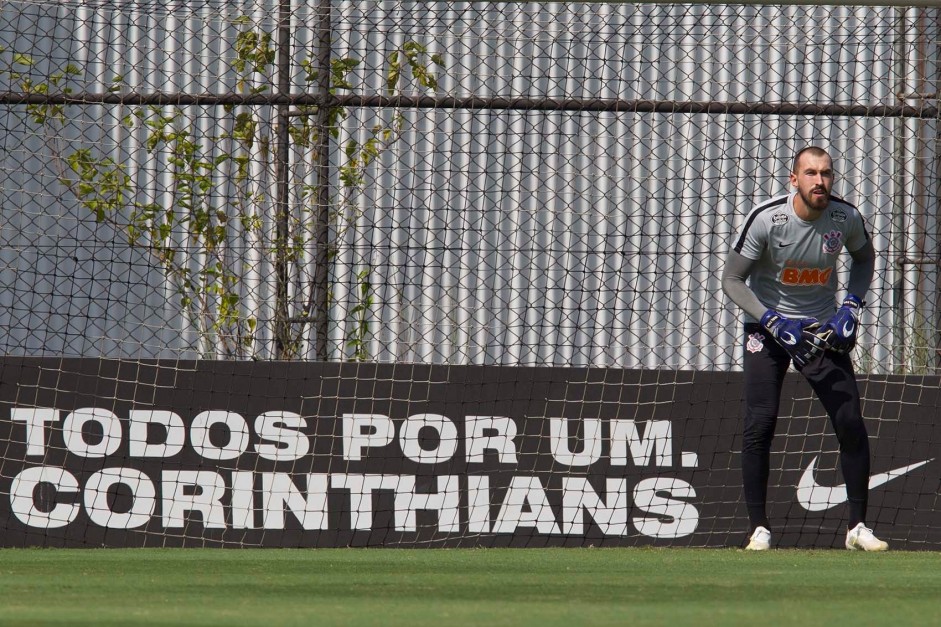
[{"x": 456, "y": 183}]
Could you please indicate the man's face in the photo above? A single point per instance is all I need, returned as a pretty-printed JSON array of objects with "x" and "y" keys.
[{"x": 813, "y": 179}]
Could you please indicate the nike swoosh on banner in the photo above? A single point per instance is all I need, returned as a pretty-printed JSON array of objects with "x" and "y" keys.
[{"x": 817, "y": 498}]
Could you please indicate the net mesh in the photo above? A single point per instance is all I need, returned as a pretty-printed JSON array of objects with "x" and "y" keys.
[
  {"x": 443, "y": 185},
  {"x": 575, "y": 213}
]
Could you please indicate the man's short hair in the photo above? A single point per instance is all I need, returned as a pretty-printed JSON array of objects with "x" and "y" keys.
[{"x": 809, "y": 150}]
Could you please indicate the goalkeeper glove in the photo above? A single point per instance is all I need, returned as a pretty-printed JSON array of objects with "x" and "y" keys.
[
  {"x": 797, "y": 336},
  {"x": 843, "y": 325}
]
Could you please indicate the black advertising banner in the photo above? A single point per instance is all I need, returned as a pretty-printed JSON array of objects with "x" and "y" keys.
[{"x": 278, "y": 454}]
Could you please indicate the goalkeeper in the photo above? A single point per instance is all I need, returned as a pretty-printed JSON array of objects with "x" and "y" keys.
[{"x": 782, "y": 273}]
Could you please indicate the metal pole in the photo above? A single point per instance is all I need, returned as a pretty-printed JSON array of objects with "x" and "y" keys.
[
  {"x": 898, "y": 206},
  {"x": 933, "y": 47},
  {"x": 924, "y": 335},
  {"x": 282, "y": 328},
  {"x": 321, "y": 287}
]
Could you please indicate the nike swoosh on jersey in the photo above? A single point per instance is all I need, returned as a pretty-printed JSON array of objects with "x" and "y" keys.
[{"x": 817, "y": 498}]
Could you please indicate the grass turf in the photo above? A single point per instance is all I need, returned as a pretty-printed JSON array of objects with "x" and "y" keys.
[{"x": 436, "y": 587}]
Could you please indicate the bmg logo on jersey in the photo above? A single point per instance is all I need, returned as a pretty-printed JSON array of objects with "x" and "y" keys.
[
  {"x": 832, "y": 242},
  {"x": 805, "y": 276}
]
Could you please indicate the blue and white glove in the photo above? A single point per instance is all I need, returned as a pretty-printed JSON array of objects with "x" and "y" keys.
[
  {"x": 843, "y": 325},
  {"x": 798, "y": 336}
]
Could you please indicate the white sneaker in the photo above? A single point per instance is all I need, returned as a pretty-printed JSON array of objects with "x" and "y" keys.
[
  {"x": 860, "y": 538},
  {"x": 760, "y": 540}
]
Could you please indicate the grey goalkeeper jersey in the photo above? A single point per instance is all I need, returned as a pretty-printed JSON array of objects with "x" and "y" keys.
[{"x": 795, "y": 260}]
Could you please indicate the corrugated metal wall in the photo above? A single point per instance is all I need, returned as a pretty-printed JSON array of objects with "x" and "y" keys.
[{"x": 501, "y": 236}]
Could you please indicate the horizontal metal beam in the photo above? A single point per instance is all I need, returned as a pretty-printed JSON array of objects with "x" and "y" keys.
[
  {"x": 855, "y": 3},
  {"x": 475, "y": 103}
]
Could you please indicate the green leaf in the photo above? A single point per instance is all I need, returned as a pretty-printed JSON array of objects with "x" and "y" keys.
[{"x": 395, "y": 70}]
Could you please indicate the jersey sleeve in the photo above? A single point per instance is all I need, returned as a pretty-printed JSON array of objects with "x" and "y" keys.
[
  {"x": 858, "y": 234},
  {"x": 753, "y": 237}
]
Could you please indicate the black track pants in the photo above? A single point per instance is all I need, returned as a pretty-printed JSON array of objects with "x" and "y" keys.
[{"x": 834, "y": 382}]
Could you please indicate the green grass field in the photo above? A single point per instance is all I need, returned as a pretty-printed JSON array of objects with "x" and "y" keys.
[{"x": 436, "y": 587}]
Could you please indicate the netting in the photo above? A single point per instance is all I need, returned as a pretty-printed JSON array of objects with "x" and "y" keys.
[
  {"x": 410, "y": 185},
  {"x": 559, "y": 187}
]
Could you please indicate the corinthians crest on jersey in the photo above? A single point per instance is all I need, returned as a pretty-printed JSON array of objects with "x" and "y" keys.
[{"x": 832, "y": 242}]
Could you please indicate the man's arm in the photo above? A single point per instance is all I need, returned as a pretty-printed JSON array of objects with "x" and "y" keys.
[
  {"x": 862, "y": 270},
  {"x": 842, "y": 328},
  {"x": 737, "y": 269},
  {"x": 791, "y": 333}
]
